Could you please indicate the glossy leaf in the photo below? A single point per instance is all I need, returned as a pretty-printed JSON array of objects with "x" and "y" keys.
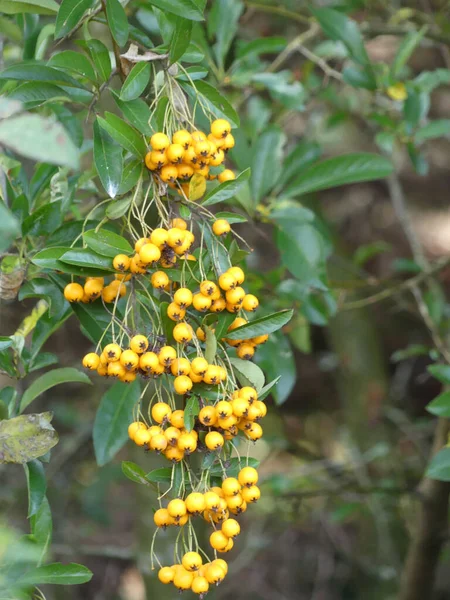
[
  {"x": 189, "y": 9},
  {"x": 222, "y": 24},
  {"x": 136, "y": 112},
  {"x": 49, "y": 380},
  {"x": 441, "y": 373},
  {"x": 37, "y": 72},
  {"x": 123, "y": 133},
  {"x": 265, "y": 45},
  {"x": 117, "y": 21},
  {"x": 340, "y": 170},
  {"x": 267, "y": 389},
  {"x": 163, "y": 475},
  {"x": 26, "y": 437},
  {"x": 50, "y": 259},
  {"x": 9, "y": 227},
  {"x": 37, "y": 485},
  {"x": 134, "y": 472},
  {"x": 57, "y": 574},
  {"x": 74, "y": 61},
  {"x": 226, "y": 190},
  {"x": 44, "y": 220},
  {"x": 439, "y": 466},
  {"x": 37, "y": 7},
  {"x": 100, "y": 57},
  {"x": 248, "y": 373},
  {"x": 432, "y": 130},
  {"x": 190, "y": 412},
  {"x": 266, "y": 163},
  {"x": 181, "y": 38},
  {"x": 440, "y": 406},
  {"x": 136, "y": 82},
  {"x": 112, "y": 418},
  {"x": 69, "y": 15},
  {"x": 39, "y": 138},
  {"x": 107, "y": 160},
  {"x": 132, "y": 171},
  {"x": 277, "y": 360},
  {"x": 84, "y": 257},
  {"x": 94, "y": 319},
  {"x": 262, "y": 326},
  {"x": 106, "y": 242},
  {"x": 217, "y": 104},
  {"x": 302, "y": 156}
]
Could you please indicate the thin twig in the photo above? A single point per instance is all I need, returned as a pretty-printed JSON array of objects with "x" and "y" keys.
[{"x": 279, "y": 10}]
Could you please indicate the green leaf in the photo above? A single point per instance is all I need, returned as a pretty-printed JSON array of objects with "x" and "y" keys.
[
  {"x": 231, "y": 217},
  {"x": 39, "y": 138},
  {"x": 439, "y": 467},
  {"x": 136, "y": 112},
  {"x": 74, "y": 61},
  {"x": 189, "y": 9},
  {"x": 37, "y": 485},
  {"x": 190, "y": 412},
  {"x": 415, "y": 107},
  {"x": 134, "y": 472},
  {"x": 405, "y": 50},
  {"x": 132, "y": 172},
  {"x": 224, "y": 321},
  {"x": 69, "y": 15},
  {"x": 106, "y": 242},
  {"x": 9, "y": 227},
  {"x": 163, "y": 475},
  {"x": 56, "y": 574},
  {"x": 435, "y": 129},
  {"x": 222, "y": 23},
  {"x": 441, "y": 373},
  {"x": 112, "y": 419},
  {"x": 44, "y": 38},
  {"x": 100, "y": 57},
  {"x": 266, "y": 45},
  {"x": 136, "y": 82},
  {"x": 44, "y": 220},
  {"x": 359, "y": 77},
  {"x": 5, "y": 342},
  {"x": 304, "y": 154},
  {"x": 440, "y": 405},
  {"x": 340, "y": 170},
  {"x": 94, "y": 319},
  {"x": 37, "y": 7},
  {"x": 26, "y": 437},
  {"x": 84, "y": 257},
  {"x": 50, "y": 259},
  {"x": 36, "y": 72},
  {"x": 267, "y": 324},
  {"x": 124, "y": 134},
  {"x": 49, "y": 380},
  {"x": 226, "y": 190},
  {"x": 217, "y": 252},
  {"x": 181, "y": 38},
  {"x": 217, "y": 104},
  {"x": 211, "y": 345},
  {"x": 33, "y": 94},
  {"x": 38, "y": 287},
  {"x": 117, "y": 21},
  {"x": 339, "y": 27},
  {"x": 248, "y": 373},
  {"x": 107, "y": 160},
  {"x": 266, "y": 163},
  {"x": 118, "y": 208},
  {"x": 42, "y": 527},
  {"x": 277, "y": 360},
  {"x": 266, "y": 390}
]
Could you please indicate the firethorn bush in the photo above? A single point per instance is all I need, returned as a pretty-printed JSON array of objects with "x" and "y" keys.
[{"x": 146, "y": 149}]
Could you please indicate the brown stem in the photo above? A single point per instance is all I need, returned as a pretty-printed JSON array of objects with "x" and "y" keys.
[{"x": 423, "y": 555}]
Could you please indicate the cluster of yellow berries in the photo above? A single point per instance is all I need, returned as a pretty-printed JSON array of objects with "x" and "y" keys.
[
  {"x": 216, "y": 424},
  {"x": 215, "y": 506},
  {"x": 190, "y": 153},
  {"x": 94, "y": 288}
]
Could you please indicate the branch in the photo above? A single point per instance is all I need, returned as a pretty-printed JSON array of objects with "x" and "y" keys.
[{"x": 279, "y": 10}]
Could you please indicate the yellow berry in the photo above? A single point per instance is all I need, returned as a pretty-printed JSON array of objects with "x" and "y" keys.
[
  {"x": 214, "y": 573},
  {"x": 246, "y": 351},
  {"x": 177, "y": 508},
  {"x": 158, "y": 442},
  {"x": 218, "y": 540},
  {"x": 199, "y": 365},
  {"x": 251, "y": 494},
  {"x": 159, "y": 141},
  {"x": 227, "y": 281},
  {"x": 195, "y": 503},
  {"x": 148, "y": 362},
  {"x": 248, "y": 393},
  {"x": 250, "y": 302},
  {"x": 208, "y": 416},
  {"x": 218, "y": 305},
  {"x": 129, "y": 359},
  {"x": 175, "y": 153},
  {"x": 167, "y": 355},
  {"x": 226, "y": 175},
  {"x": 112, "y": 352},
  {"x": 214, "y": 440},
  {"x": 183, "y": 580},
  {"x": 201, "y": 302},
  {"x": 159, "y": 280},
  {"x": 180, "y": 366},
  {"x": 134, "y": 427},
  {"x": 220, "y": 128},
  {"x": 235, "y": 296},
  {"x": 224, "y": 409},
  {"x": 174, "y": 454},
  {"x": 248, "y": 476},
  {"x": 231, "y": 528},
  {"x": 175, "y": 312},
  {"x": 192, "y": 561},
  {"x": 182, "y": 333},
  {"x": 73, "y": 292},
  {"x": 177, "y": 419},
  {"x": 142, "y": 437},
  {"x": 169, "y": 173},
  {"x": 121, "y": 262},
  {"x": 231, "y": 486},
  {"x": 91, "y": 361},
  {"x": 212, "y": 375},
  {"x": 183, "y": 297},
  {"x": 93, "y": 289},
  {"x": 149, "y": 253},
  {"x": 200, "y": 585},
  {"x": 182, "y": 384},
  {"x": 139, "y": 344},
  {"x": 166, "y": 574},
  {"x": 161, "y": 412},
  {"x": 187, "y": 442},
  {"x": 182, "y": 137}
]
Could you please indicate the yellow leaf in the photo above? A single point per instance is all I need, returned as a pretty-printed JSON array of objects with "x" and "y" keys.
[
  {"x": 397, "y": 91},
  {"x": 197, "y": 187}
]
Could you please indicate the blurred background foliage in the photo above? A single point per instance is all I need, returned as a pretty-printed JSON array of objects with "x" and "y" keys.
[{"x": 365, "y": 266}]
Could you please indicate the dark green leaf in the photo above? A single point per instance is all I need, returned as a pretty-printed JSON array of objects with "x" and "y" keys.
[
  {"x": 74, "y": 61},
  {"x": 101, "y": 59},
  {"x": 163, "y": 475},
  {"x": 5, "y": 342},
  {"x": 136, "y": 82},
  {"x": 34, "y": 94},
  {"x": 37, "y": 485},
  {"x": 134, "y": 472},
  {"x": 405, "y": 50},
  {"x": 106, "y": 242},
  {"x": 359, "y": 77},
  {"x": 248, "y": 373},
  {"x": 266, "y": 163},
  {"x": 136, "y": 112},
  {"x": 124, "y": 134},
  {"x": 266, "y": 45},
  {"x": 39, "y": 138},
  {"x": 415, "y": 107},
  {"x": 340, "y": 170},
  {"x": 83, "y": 257},
  {"x": 277, "y": 360},
  {"x": 181, "y": 38},
  {"x": 267, "y": 324},
  {"x": 217, "y": 252},
  {"x": 190, "y": 412},
  {"x": 42, "y": 527},
  {"x": 38, "y": 287},
  {"x": 37, "y": 7},
  {"x": 233, "y": 466},
  {"x": 440, "y": 405},
  {"x": 217, "y": 104},
  {"x": 189, "y": 9},
  {"x": 231, "y": 217},
  {"x": 50, "y": 259},
  {"x": 222, "y": 24},
  {"x": 70, "y": 14},
  {"x": 304, "y": 154},
  {"x": 26, "y": 437},
  {"x": 44, "y": 220},
  {"x": 49, "y": 380},
  {"x": 57, "y": 574},
  {"x": 439, "y": 467},
  {"x": 118, "y": 208},
  {"x": 9, "y": 227},
  {"x": 94, "y": 319},
  {"x": 107, "y": 160},
  {"x": 226, "y": 190},
  {"x": 132, "y": 171},
  {"x": 112, "y": 419},
  {"x": 267, "y": 389},
  {"x": 441, "y": 373},
  {"x": 36, "y": 72},
  {"x": 117, "y": 21},
  {"x": 339, "y": 27}
]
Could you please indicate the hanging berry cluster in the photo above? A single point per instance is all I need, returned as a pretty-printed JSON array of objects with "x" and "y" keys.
[{"x": 179, "y": 323}]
